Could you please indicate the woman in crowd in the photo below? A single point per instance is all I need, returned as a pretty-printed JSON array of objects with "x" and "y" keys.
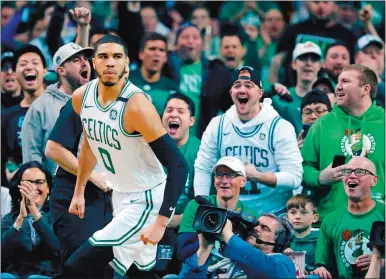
[{"x": 28, "y": 243}]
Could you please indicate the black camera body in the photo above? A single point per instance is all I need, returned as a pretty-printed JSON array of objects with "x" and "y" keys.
[
  {"x": 377, "y": 237},
  {"x": 211, "y": 220}
]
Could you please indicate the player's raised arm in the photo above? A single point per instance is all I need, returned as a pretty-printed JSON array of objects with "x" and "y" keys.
[
  {"x": 86, "y": 164},
  {"x": 141, "y": 116}
]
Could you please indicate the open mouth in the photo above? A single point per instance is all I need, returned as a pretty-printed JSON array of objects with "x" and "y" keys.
[
  {"x": 173, "y": 126},
  {"x": 352, "y": 185},
  {"x": 230, "y": 58},
  {"x": 242, "y": 99},
  {"x": 308, "y": 71},
  {"x": 84, "y": 74},
  {"x": 9, "y": 80},
  {"x": 30, "y": 77},
  {"x": 340, "y": 95}
]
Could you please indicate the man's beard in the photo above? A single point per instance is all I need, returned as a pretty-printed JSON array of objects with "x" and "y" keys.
[
  {"x": 110, "y": 83},
  {"x": 74, "y": 83}
]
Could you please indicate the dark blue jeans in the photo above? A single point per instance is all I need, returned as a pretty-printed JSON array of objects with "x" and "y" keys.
[{"x": 72, "y": 231}]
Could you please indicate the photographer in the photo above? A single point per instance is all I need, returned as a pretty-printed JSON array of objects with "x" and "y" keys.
[
  {"x": 201, "y": 254},
  {"x": 271, "y": 236}
]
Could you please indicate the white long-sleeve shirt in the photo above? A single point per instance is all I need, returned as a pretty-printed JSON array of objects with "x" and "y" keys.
[{"x": 267, "y": 141}]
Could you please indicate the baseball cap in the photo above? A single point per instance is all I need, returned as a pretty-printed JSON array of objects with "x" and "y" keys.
[
  {"x": 7, "y": 56},
  {"x": 367, "y": 40},
  {"x": 68, "y": 50},
  {"x": 327, "y": 81},
  {"x": 315, "y": 96},
  {"x": 185, "y": 25},
  {"x": 27, "y": 49},
  {"x": 255, "y": 76},
  {"x": 304, "y": 48},
  {"x": 231, "y": 162}
]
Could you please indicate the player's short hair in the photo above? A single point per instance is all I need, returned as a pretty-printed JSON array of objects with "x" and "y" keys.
[
  {"x": 186, "y": 99},
  {"x": 111, "y": 39},
  {"x": 366, "y": 76},
  {"x": 299, "y": 201},
  {"x": 152, "y": 37}
]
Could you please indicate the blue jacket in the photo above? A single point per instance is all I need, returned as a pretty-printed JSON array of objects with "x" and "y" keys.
[{"x": 253, "y": 262}]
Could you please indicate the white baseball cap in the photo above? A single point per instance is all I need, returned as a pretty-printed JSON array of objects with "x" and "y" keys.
[
  {"x": 231, "y": 162},
  {"x": 68, "y": 50},
  {"x": 307, "y": 47},
  {"x": 367, "y": 40}
]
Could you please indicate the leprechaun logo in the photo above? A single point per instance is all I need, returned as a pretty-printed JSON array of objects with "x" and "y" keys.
[
  {"x": 353, "y": 245},
  {"x": 357, "y": 144}
]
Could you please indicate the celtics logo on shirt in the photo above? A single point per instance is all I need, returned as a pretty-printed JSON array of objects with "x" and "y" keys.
[
  {"x": 357, "y": 144},
  {"x": 353, "y": 245}
]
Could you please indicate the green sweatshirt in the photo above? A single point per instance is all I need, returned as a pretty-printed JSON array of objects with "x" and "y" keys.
[
  {"x": 338, "y": 133},
  {"x": 307, "y": 244},
  {"x": 343, "y": 237}
]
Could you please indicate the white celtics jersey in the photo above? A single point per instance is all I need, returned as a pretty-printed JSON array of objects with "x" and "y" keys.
[
  {"x": 128, "y": 160},
  {"x": 253, "y": 142}
]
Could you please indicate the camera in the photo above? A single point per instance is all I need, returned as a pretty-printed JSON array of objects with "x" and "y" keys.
[
  {"x": 211, "y": 220},
  {"x": 377, "y": 236}
]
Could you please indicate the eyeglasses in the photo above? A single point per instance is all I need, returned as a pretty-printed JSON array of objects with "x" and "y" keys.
[
  {"x": 38, "y": 182},
  {"x": 318, "y": 112},
  {"x": 229, "y": 175},
  {"x": 358, "y": 172}
]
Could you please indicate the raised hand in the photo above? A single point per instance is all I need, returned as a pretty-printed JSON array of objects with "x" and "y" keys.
[{"x": 81, "y": 15}]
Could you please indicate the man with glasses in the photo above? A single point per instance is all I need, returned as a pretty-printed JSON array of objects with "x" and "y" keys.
[
  {"x": 315, "y": 104},
  {"x": 342, "y": 244},
  {"x": 355, "y": 127},
  {"x": 255, "y": 133},
  {"x": 306, "y": 62},
  {"x": 229, "y": 178}
]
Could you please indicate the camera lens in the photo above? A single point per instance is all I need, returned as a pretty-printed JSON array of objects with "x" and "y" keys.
[{"x": 211, "y": 221}]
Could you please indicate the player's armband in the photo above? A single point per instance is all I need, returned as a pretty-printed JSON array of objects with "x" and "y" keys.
[{"x": 170, "y": 156}]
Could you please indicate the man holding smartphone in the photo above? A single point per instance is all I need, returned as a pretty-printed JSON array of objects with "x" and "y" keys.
[{"x": 355, "y": 127}]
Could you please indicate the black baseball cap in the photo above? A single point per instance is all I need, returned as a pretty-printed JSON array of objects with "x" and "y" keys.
[
  {"x": 7, "y": 58},
  {"x": 327, "y": 81},
  {"x": 27, "y": 49},
  {"x": 316, "y": 96},
  {"x": 254, "y": 75}
]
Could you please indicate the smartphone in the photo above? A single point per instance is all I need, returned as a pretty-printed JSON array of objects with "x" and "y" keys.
[
  {"x": 306, "y": 128},
  {"x": 338, "y": 161}
]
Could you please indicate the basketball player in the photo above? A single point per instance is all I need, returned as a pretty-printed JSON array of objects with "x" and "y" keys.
[
  {"x": 124, "y": 134},
  {"x": 255, "y": 133}
]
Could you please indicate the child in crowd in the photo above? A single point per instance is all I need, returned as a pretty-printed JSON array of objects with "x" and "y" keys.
[{"x": 301, "y": 213}]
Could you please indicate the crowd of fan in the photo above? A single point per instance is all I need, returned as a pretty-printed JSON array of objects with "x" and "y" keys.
[{"x": 319, "y": 71}]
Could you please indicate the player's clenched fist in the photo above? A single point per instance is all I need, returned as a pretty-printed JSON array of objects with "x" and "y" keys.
[
  {"x": 77, "y": 205},
  {"x": 153, "y": 234}
]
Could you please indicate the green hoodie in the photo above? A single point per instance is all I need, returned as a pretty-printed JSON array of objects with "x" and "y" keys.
[
  {"x": 308, "y": 245},
  {"x": 338, "y": 133}
]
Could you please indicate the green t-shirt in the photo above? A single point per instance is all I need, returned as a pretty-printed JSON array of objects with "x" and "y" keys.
[
  {"x": 306, "y": 244},
  {"x": 290, "y": 111},
  {"x": 190, "y": 85},
  {"x": 189, "y": 150},
  {"x": 343, "y": 237},
  {"x": 186, "y": 224},
  {"x": 335, "y": 134},
  {"x": 158, "y": 91}
]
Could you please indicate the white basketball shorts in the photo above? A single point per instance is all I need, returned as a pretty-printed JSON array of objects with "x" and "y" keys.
[{"x": 132, "y": 213}]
